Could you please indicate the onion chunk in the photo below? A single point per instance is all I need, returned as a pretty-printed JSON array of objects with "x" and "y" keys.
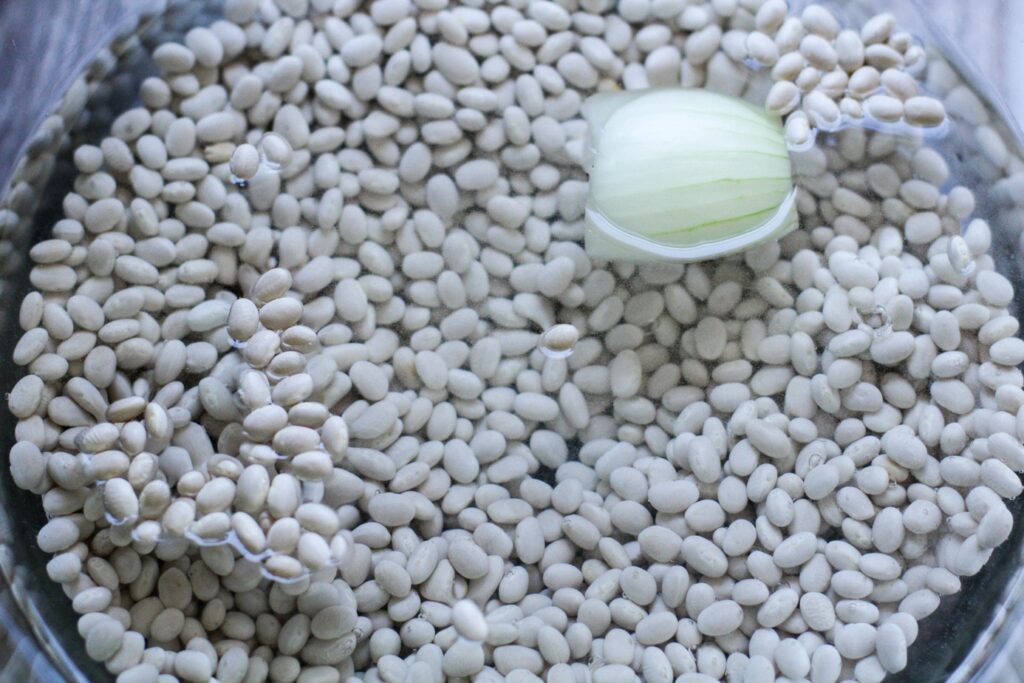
[{"x": 684, "y": 175}]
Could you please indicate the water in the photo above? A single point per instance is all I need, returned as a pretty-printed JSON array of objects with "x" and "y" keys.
[{"x": 979, "y": 596}]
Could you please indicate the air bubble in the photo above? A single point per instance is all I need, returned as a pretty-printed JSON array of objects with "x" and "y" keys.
[
  {"x": 559, "y": 341},
  {"x": 960, "y": 256},
  {"x": 275, "y": 152},
  {"x": 882, "y": 322}
]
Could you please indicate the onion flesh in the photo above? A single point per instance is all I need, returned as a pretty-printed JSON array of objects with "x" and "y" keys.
[{"x": 681, "y": 174}]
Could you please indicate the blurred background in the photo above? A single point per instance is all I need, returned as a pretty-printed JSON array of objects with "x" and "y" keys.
[{"x": 988, "y": 32}]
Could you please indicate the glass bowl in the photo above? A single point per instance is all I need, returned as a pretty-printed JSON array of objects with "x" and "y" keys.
[{"x": 85, "y": 63}]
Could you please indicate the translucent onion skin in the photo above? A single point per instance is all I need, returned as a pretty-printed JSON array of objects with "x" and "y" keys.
[{"x": 682, "y": 174}]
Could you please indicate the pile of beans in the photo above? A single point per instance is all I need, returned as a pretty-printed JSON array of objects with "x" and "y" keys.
[
  {"x": 838, "y": 76},
  {"x": 322, "y": 386}
]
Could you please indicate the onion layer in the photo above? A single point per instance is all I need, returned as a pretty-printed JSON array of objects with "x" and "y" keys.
[{"x": 684, "y": 175}]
